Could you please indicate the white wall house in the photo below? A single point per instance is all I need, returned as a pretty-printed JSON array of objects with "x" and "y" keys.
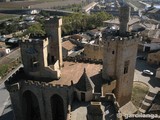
[
  {"x": 4, "y": 51},
  {"x": 150, "y": 46}
]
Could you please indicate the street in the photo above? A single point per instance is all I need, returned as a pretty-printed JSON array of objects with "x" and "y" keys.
[
  {"x": 10, "y": 57},
  {"x": 5, "y": 104},
  {"x": 151, "y": 81},
  {"x": 7, "y": 113}
]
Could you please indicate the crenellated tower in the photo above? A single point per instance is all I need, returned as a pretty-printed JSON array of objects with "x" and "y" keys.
[
  {"x": 34, "y": 58},
  {"x": 120, "y": 50}
]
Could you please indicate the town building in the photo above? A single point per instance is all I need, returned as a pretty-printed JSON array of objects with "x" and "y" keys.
[
  {"x": 4, "y": 51},
  {"x": 150, "y": 40},
  {"x": 88, "y": 8},
  {"x": 153, "y": 14},
  {"x": 67, "y": 48},
  {"x": 154, "y": 58},
  {"x": 115, "y": 22}
]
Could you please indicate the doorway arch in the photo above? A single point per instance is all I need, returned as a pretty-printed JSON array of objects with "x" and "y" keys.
[
  {"x": 31, "y": 106},
  {"x": 57, "y": 107}
]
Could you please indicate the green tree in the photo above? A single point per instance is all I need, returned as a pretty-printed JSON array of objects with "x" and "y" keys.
[
  {"x": 80, "y": 22},
  {"x": 36, "y": 29},
  {"x": 3, "y": 70},
  {"x": 44, "y": 13}
]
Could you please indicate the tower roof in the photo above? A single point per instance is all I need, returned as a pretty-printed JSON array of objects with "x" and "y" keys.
[{"x": 85, "y": 83}]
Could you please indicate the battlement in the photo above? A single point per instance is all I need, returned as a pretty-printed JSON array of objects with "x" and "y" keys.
[
  {"x": 119, "y": 38},
  {"x": 13, "y": 77},
  {"x": 43, "y": 84},
  {"x": 19, "y": 78},
  {"x": 54, "y": 21},
  {"x": 38, "y": 41},
  {"x": 85, "y": 60},
  {"x": 92, "y": 45},
  {"x": 17, "y": 86}
]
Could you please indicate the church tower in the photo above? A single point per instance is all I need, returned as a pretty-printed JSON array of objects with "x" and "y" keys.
[
  {"x": 53, "y": 30},
  {"x": 120, "y": 50}
]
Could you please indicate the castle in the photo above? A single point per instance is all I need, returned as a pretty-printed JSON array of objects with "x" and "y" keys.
[{"x": 46, "y": 87}]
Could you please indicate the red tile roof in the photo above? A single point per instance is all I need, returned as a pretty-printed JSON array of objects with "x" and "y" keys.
[{"x": 68, "y": 45}]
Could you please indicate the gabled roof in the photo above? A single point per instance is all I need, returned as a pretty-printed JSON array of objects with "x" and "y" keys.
[
  {"x": 77, "y": 37},
  {"x": 85, "y": 83},
  {"x": 68, "y": 45},
  {"x": 115, "y": 21},
  {"x": 153, "y": 34}
]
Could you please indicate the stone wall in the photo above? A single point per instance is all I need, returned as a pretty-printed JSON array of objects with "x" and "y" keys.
[
  {"x": 93, "y": 51},
  {"x": 154, "y": 58},
  {"x": 35, "y": 59},
  {"x": 43, "y": 91},
  {"x": 82, "y": 59},
  {"x": 88, "y": 95}
]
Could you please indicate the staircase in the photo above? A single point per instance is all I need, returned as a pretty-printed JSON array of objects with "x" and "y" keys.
[{"x": 148, "y": 100}]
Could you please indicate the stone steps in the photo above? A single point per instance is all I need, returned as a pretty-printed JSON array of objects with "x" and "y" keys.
[
  {"x": 148, "y": 100},
  {"x": 146, "y": 104},
  {"x": 141, "y": 110}
]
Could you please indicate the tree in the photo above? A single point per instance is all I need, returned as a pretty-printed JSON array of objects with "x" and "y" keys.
[
  {"x": 80, "y": 22},
  {"x": 44, "y": 13},
  {"x": 36, "y": 29}
]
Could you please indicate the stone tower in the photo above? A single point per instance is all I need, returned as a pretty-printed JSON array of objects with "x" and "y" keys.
[
  {"x": 34, "y": 58},
  {"x": 124, "y": 17},
  {"x": 53, "y": 30},
  {"x": 120, "y": 49}
]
